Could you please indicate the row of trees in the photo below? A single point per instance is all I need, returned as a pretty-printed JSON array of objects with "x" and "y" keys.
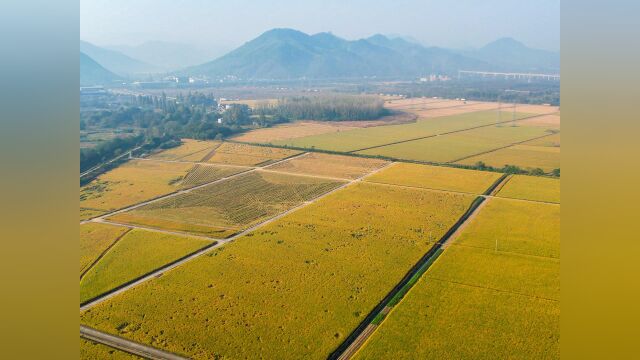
[{"x": 326, "y": 108}]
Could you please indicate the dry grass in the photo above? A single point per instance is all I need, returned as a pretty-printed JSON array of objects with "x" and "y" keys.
[
  {"x": 532, "y": 188},
  {"x": 346, "y": 167},
  {"x": 293, "y": 289},
  {"x": 436, "y": 177}
]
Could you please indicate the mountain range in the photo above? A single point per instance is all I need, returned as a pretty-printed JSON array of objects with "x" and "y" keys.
[
  {"x": 92, "y": 73},
  {"x": 291, "y": 54}
]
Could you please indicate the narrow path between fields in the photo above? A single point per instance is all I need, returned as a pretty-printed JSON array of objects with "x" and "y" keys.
[
  {"x": 367, "y": 327},
  {"x": 129, "y": 346},
  {"x": 220, "y": 242}
]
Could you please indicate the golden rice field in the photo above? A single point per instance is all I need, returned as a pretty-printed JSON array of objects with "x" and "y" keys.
[
  {"x": 362, "y": 138},
  {"x": 318, "y": 164},
  {"x": 131, "y": 183},
  {"x": 524, "y": 156},
  {"x": 549, "y": 121},
  {"x": 95, "y": 239},
  {"x": 452, "y": 147},
  {"x": 224, "y": 208},
  {"x": 292, "y": 289},
  {"x": 552, "y": 141},
  {"x": 479, "y": 303},
  {"x": 436, "y": 177},
  {"x": 189, "y": 149},
  {"x": 135, "y": 254},
  {"x": 444, "y": 320},
  {"x": 517, "y": 226},
  {"x": 89, "y": 213},
  {"x": 247, "y": 155},
  {"x": 291, "y": 130},
  {"x": 532, "y": 188},
  {"x": 90, "y": 350}
]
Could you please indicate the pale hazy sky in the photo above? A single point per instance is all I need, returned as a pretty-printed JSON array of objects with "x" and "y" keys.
[{"x": 227, "y": 24}]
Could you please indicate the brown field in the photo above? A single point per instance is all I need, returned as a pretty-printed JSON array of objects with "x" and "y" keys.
[
  {"x": 537, "y": 109},
  {"x": 436, "y": 112},
  {"x": 419, "y": 103},
  {"x": 548, "y": 121},
  {"x": 346, "y": 167}
]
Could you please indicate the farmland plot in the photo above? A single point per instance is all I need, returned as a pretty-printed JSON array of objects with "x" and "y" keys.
[
  {"x": 293, "y": 130},
  {"x": 346, "y": 167},
  {"x": 192, "y": 149},
  {"x": 357, "y": 139},
  {"x": 479, "y": 303},
  {"x": 516, "y": 226},
  {"x": 201, "y": 174},
  {"x": 248, "y": 155},
  {"x": 532, "y": 188},
  {"x": 94, "y": 239},
  {"x": 451, "y": 147},
  {"x": 137, "y": 253},
  {"x": 292, "y": 289},
  {"x": 223, "y": 209},
  {"x": 131, "y": 183},
  {"x": 546, "y": 158},
  {"x": 436, "y": 177}
]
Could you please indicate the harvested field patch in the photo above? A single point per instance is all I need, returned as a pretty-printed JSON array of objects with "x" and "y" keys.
[
  {"x": 90, "y": 350},
  {"x": 428, "y": 112},
  {"x": 294, "y": 288},
  {"x": 189, "y": 148},
  {"x": 517, "y": 227},
  {"x": 346, "y": 167},
  {"x": 131, "y": 183},
  {"x": 547, "y": 121},
  {"x": 448, "y": 148},
  {"x": 137, "y": 253},
  {"x": 436, "y": 177},
  {"x": 248, "y": 155},
  {"x": 201, "y": 174},
  {"x": 443, "y": 320},
  {"x": 230, "y": 205},
  {"x": 537, "y": 109},
  {"x": 95, "y": 239},
  {"x": 352, "y": 140},
  {"x": 532, "y": 188},
  {"x": 523, "y": 156}
]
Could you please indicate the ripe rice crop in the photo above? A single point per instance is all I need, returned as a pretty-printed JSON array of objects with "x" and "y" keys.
[
  {"x": 451, "y": 147},
  {"x": 90, "y": 350},
  {"x": 232, "y": 204},
  {"x": 532, "y": 188},
  {"x": 248, "y": 155},
  {"x": 137, "y": 253},
  {"x": 524, "y": 156},
  {"x": 436, "y": 177},
  {"x": 194, "y": 149},
  {"x": 131, "y": 183},
  {"x": 346, "y": 167},
  {"x": 94, "y": 239},
  {"x": 292, "y": 289},
  {"x": 201, "y": 174},
  {"x": 522, "y": 227},
  {"x": 444, "y": 320},
  {"x": 357, "y": 139},
  {"x": 552, "y": 140}
]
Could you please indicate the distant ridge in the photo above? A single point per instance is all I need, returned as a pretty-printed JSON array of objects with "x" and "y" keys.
[
  {"x": 92, "y": 73},
  {"x": 292, "y": 54},
  {"x": 115, "y": 61}
]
